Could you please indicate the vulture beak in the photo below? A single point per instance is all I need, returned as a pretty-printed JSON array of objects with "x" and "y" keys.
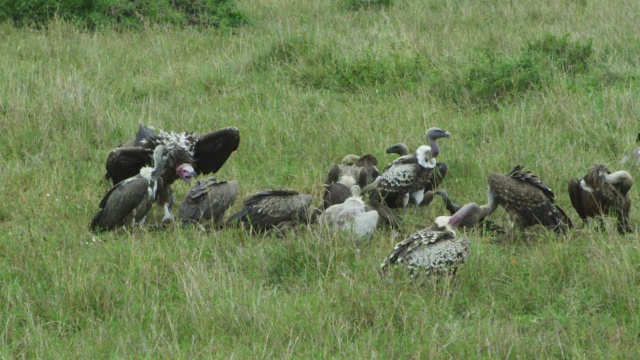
[
  {"x": 447, "y": 134},
  {"x": 186, "y": 172}
]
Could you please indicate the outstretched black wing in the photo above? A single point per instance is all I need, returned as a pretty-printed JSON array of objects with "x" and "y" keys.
[
  {"x": 125, "y": 162},
  {"x": 212, "y": 150}
]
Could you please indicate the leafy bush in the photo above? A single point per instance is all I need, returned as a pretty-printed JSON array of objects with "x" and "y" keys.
[
  {"x": 494, "y": 78},
  {"x": 123, "y": 13},
  {"x": 365, "y": 4}
]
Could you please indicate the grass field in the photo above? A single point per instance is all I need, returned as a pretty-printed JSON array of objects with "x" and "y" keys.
[{"x": 553, "y": 85}]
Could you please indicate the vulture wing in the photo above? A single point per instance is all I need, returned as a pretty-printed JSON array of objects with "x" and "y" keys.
[
  {"x": 126, "y": 162},
  {"x": 208, "y": 199},
  {"x": 120, "y": 202},
  {"x": 212, "y": 150}
]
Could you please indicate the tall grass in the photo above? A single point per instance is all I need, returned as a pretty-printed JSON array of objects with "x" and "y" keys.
[{"x": 306, "y": 83}]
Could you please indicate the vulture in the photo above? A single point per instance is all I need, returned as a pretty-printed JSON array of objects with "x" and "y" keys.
[
  {"x": 634, "y": 158},
  {"x": 487, "y": 225},
  {"x": 600, "y": 192},
  {"x": 130, "y": 200},
  {"x": 407, "y": 176},
  {"x": 363, "y": 169},
  {"x": 527, "y": 200},
  {"x": 353, "y": 215},
  {"x": 274, "y": 208},
  {"x": 437, "y": 250},
  {"x": 189, "y": 155},
  {"x": 337, "y": 192},
  {"x": 436, "y": 176},
  {"x": 208, "y": 200}
]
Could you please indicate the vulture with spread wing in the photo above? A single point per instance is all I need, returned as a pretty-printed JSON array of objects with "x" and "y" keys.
[{"x": 189, "y": 156}]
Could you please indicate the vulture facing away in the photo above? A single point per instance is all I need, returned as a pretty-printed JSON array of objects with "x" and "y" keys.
[
  {"x": 600, "y": 192},
  {"x": 362, "y": 169},
  {"x": 189, "y": 155},
  {"x": 129, "y": 201},
  {"x": 407, "y": 176},
  {"x": 528, "y": 200},
  {"x": 275, "y": 208},
  {"x": 208, "y": 200},
  {"x": 352, "y": 216},
  {"x": 487, "y": 225},
  {"x": 437, "y": 250}
]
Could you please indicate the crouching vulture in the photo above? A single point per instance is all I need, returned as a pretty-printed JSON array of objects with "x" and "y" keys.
[
  {"x": 189, "y": 155},
  {"x": 437, "y": 175},
  {"x": 352, "y": 215},
  {"x": 208, "y": 200},
  {"x": 273, "y": 209},
  {"x": 130, "y": 200},
  {"x": 600, "y": 192},
  {"x": 527, "y": 200},
  {"x": 486, "y": 224},
  {"x": 438, "y": 250}
]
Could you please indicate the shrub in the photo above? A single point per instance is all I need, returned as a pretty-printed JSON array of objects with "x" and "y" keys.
[{"x": 123, "y": 13}]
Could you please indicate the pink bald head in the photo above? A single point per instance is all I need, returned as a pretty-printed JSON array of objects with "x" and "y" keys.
[{"x": 186, "y": 172}]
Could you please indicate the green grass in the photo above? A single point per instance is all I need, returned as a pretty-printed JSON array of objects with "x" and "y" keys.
[{"x": 306, "y": 83}]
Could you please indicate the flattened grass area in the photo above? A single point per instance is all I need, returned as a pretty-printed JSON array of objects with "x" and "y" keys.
[{"x": 552, "y": 85}]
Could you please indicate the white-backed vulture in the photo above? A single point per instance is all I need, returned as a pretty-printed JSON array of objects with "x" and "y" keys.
[
  {"x": 527, "y": 200},
  {"x": 129, "y": 201},
  {"x": 352, "y": 216},
  {"x": 407, "y": 176},
  {"x": 486, "y": 224},
  {"x": 437, "y": 250},
  {"x": 337, "y": 192},
  {"x": 438, "y": 173},
  {"x": 275, "y": 208},
  {"x": 600, "y": 192},
  {"x": 189, "y": 155},
  {"x": 208, "y": 200}
]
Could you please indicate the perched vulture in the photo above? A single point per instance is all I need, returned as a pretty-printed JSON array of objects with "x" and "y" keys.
[
  {"x": 276, "y": 208},
  {"x": 189, "y": 155},
  {"x": 208, "y": 200},
  {"x": 528, "y": 200},
  {"x": 363, "y": 169},
  {"x": 352, "y": 216},
  {"x": 130, "y": 200},
  {"x": 600, "y": 192},
  {"x": 487, "y": 225},
  {"x": 437, "y": 249}
]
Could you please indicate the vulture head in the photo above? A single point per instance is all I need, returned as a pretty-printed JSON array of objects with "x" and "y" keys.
[
  {"x": 159, "y": 159},
  {"x": 400, "y": 149},
  {"x": 433, "y": 134},
  {"x": 186, "y": 172},
  {"x": 350, "y": 159}
]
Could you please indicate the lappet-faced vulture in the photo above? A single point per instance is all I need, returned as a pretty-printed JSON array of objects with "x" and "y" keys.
[
  {"x": 600, "y": 192},
  {"x": 273, "y": 209},
  {"x": 438, "y": 250},
  {"x": 486, "y": 224},
  {"x": 528, "y": 200},
  {"x": 208, "y": 200},
  {"x": 129, "y": 201},
  {"x": 189, "y": 155},
  {"x": 352, "y": 216}
]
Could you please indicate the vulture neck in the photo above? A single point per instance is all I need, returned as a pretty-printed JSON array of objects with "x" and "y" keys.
[
  {"x": 433, "y": 143},
  {"x": 491, "y": 206}
]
